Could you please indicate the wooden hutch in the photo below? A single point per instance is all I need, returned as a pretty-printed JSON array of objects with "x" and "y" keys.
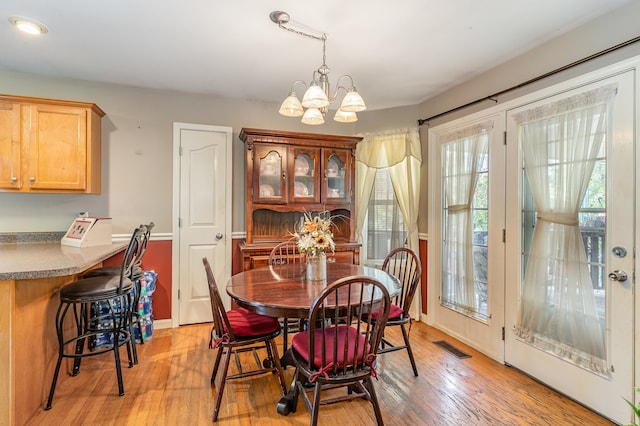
[{"x": 290, "y": 173}]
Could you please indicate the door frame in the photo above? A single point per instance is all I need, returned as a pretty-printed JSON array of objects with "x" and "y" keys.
[{"x": 175, "y": 221}]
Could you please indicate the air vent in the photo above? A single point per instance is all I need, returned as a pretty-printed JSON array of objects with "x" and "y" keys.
[{"x": 449, "y": 347}]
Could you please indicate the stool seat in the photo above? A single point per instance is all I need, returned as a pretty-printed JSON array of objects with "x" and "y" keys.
[
  {"x": 136, "y": 274},
  {"x": 88, "y": 290}
]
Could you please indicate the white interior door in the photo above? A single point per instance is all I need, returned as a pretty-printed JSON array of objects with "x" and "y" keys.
[
  {"x": 604, "y": 391},
  {"x": 467, "y": 297},
  {"x": 202, "y": 217}
]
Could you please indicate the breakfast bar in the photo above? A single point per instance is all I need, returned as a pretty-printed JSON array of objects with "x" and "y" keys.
[{"x": 33, "y": 267}]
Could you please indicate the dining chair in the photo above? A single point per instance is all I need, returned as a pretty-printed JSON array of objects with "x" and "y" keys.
[
  {"x": 404, "y": 265},
  {"x": 284, "y": 253},
  {"x": 137, "y": 274},
  {"x": 239, "y": 330},
  {"x": 339, "y": 347},
  {"x": 78, "y": 297}
]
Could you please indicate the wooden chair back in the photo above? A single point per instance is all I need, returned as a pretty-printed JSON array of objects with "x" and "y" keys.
[
  {"x": 284, "y": 253},
  {"x": 404, "y": 265},
  {"x": 347, "y": 304},
  {"x": 221, "y": 323}
]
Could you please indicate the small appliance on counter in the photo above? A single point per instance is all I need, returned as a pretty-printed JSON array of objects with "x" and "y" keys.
[{"x": 88, "y": 232}]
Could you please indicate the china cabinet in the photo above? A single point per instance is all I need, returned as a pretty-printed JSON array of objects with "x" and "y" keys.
[
  {"x": 292, "y": 173},
  {"x": 49, "y": 145}
]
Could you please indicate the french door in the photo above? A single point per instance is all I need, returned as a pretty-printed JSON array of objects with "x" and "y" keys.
[
  {"x": 568, "y": 307},
  {"x": 466, "y": 222}
]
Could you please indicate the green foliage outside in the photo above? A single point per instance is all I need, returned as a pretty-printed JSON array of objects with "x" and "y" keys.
[{"x": 636, "y": 409}]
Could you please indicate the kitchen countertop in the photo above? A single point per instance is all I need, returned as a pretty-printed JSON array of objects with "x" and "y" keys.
[{"x": 43, "y": 259}]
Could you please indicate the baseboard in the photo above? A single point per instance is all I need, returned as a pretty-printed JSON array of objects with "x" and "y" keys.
[{"x": 164, "y": 323}]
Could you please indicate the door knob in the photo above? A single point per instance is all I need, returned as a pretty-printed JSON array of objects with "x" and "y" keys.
[
  {"x": 618, "y": 275},
  {"x": 219, "y": 236}
]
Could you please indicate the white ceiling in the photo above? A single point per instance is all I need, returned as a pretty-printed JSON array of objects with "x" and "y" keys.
[{"x": 398, "y": 55}]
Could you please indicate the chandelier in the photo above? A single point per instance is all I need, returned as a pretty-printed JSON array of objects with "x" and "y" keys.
[{"x": 317, "y": 97}]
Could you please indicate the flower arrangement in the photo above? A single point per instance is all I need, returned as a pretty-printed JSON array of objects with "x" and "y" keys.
[{"x": 314, "y": 236}]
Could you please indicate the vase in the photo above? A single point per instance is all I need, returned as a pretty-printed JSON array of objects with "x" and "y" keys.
[{"x": 317, "y": 267}]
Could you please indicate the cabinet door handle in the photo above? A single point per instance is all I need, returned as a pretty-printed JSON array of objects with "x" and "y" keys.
[
  {"x": 14, "y": 179},
  {"x": 32, "y": 179}
]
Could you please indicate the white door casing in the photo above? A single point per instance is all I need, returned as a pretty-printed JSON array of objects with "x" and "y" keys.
[{"x": 201, "y": 217}]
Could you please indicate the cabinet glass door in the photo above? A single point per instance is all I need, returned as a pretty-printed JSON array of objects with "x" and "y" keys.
[
  {"x": 270, "y": 175},
  {"x": 336, "y": 176},
  {"x": 305, "y": 176}
]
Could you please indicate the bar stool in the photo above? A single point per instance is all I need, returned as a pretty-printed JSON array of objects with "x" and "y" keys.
[
  {"x": 78, "y": 297},
  {"x": 136, "y": 275}
]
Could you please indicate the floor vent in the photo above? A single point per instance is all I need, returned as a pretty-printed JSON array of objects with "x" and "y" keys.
[{"x": 447, "y": 346}]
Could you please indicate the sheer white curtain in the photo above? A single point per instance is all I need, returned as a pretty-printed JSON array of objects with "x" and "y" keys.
[
  {"x": 400, "y": 151},
  {"x": 463, "y": 154},
  {"x": 560, "y": 143}
]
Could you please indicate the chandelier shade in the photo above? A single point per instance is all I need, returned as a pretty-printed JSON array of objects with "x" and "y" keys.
[
  {"x": 291, "y": 106},
  {"x": 313, "y": 116},
  {"x": 345, "y": 116},
  {"x": 317, "y": 99},
  {"x": 353, "y": 102}
]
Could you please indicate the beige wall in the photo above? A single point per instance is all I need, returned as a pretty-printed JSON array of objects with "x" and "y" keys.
[
  {"x": 137, "y": 146},
  {"x": 138, "y": 129}
]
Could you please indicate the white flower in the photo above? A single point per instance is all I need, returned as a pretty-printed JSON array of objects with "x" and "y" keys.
[{"x": 314, "y": 236}]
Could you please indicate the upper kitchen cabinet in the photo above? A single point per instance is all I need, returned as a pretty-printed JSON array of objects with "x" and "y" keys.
[{"x": 49, "y": 146}]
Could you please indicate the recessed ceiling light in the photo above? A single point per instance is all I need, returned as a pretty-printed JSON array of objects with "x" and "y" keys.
[{"x": 28, "y": 25}]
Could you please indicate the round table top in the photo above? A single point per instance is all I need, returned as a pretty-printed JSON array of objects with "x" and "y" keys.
[{"x": 283, "y": 291}]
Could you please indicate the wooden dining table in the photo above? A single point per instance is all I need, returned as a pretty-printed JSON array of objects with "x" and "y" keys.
[{"x": 283, "y": 291}]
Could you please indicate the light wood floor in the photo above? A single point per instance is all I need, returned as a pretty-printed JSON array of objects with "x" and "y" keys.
[{"x": 171, "y": 386}]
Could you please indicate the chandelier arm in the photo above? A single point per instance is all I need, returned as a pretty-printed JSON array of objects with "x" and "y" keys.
[
  {"x": 304, "y": 83},
  {"x": 338, "y": 87}
]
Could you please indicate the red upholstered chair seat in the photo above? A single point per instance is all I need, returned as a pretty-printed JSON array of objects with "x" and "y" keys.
[
  {"x": 248, "y": 324},
  {"x": 300, "y": 343},
  {"x": 395, "y": 312}
]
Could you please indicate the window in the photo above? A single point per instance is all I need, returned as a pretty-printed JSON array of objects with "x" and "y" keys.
[{"x": 385, "y": 225}]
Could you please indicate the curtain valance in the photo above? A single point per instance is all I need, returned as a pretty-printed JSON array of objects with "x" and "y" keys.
[{"x": 386, "y": 149}]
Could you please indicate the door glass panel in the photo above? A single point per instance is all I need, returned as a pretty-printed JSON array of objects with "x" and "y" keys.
[
  {"x": 304, "y": 168},
  {"x": 465, "y": 254},
  {"x": 562, "y": 308},
  {"x": 335, "y": 177},
  {"x": 270, "y": 172}
]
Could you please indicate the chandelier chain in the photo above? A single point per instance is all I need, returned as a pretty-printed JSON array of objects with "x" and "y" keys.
[{"x": 322, "y": 38}]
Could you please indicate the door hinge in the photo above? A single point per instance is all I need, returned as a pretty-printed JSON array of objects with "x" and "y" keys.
[
  {"x": 180, "y": 150},
  {"x": 505, "y": 137},
  {"x": 502, "y": 330},
  {"x": 179, "y": 222},
  {"x": 179, "y": 297},
  {"x": 504, "y": 235}
]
